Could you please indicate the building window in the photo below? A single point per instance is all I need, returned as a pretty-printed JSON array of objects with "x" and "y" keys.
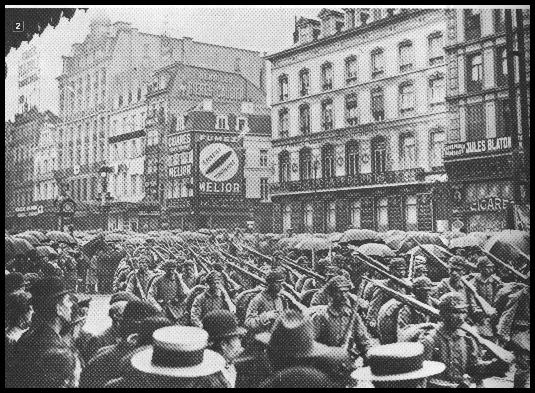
[
  {"x": 284, "y": 167},
  {"x": 222, "y": 123},
  {"x": 283, "y": 87},
  {"x": 502, "y": 117},
  {"x": 331, "y": 216},
  {"x": 327, "y": 158},
  {"x": 264, "y": 189},
  {"x": 139, "y": 93},
  {"x": 241, "y": 124},
  {"x": 436, "y": 49},
  {"x": 501, "y": 66},
  {"x": 382, "y": 215},
  {"x": 351, "y": 69},
  {"x": 499, "y": 21},
  {"x": 475, "y": 122},
  {"x": 284, "y": 126},
  {"x": 437, "y": 91},
  {"x": 304, "y": 82},
  {"x": 120, "y": 100},
  {"x": 408, "y": 151},
  {"x": 327, "y": 115},
  {"x": 352, "y": 115},
  {"x": 378, "y": 111},
  {"x": 379, "y": 155},
  {"x": 472, "y": 24},
  {"x": 327, "y": 76},
  {"x": 377, "y": 63},
  {"x": 355, "y": 214},
  {"x": 352, "y": 158},
  {"x": 263, "y": 158},
  {"x": 406, "y": 98},
  {"x": 474, "y": 71},
  {"x": 411, "y": 213},
  {"x": 304, "y": 119},
  {"x": 287, "y": 218},
  {"x": 405, "y": 56},
  {"x": 308, "y": 217},
  {"x": 305, "y": 164},
  {"x": 436, "y": 147}
]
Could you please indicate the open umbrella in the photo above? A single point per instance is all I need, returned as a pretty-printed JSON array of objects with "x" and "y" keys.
[
  {"x": 392, "y": 233},
  {"x": 412, "y": 239},
  {"x": 205, "y": 231},
  {"x": 360, "y": 235},
  {"x": 45, "y": 251},
  {"x": 509, "y": 245},
  {"x": 61, "y": 237},
  {"x": 42, "y": 237},
  {"x": 376, "y": 249},
  {"x": 21, "y": 246},
  {"x": 335, "y": 236},
  {"x": 313, "y": 244},
  {"x": 115, "y": 237},
  {"x": 474, "y": 239},
  {"x": 439, "y": 251},
  {"x": 30, "y": 238}
]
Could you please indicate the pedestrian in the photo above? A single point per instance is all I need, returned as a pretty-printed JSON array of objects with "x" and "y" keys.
[
  {"x": 53, "y": 312},
  {"x": 266, "y": 306},
  {"x": 291, "y": 343},
  {"x": 224, "y": 337},
  {"x": 179, "y": 358},
  {"x": 168, "y": 292},
  {"x": 215, "y": 297},
  {"x": 104, "y": 365},
  {"x": 18, "y": 314},
  {"x": 60, "y": 368},
  {"x": 321, "y": 297},
  {"x": 448, "y": 343},
  {"x": 139, "y": 279},
  {"x": 398, "y": 365}
]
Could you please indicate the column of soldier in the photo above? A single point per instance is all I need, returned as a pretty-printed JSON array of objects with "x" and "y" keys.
[{"x": 224, "y": 315}]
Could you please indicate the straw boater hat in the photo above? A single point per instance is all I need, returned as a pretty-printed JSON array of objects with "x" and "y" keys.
[
  {"x": 178, "y": 352},
  {"x": 397, "y": 362}
]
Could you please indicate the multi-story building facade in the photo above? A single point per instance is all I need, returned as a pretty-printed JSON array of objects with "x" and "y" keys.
[
  {"x": 359, "y": 118},
  {"x": 479, "y": 156},
  {"x": 177, "y": 108},
  {"x": 105, "y": 81},
  {"x": 29, "y": 146}
]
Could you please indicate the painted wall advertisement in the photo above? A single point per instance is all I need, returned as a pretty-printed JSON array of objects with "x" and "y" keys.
[
  {"x": 220, "y": 168},
  {"x": 474, "y": 148}
]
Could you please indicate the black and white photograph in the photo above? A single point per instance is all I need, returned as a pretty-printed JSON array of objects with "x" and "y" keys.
[{"x": 267, "y": 196}]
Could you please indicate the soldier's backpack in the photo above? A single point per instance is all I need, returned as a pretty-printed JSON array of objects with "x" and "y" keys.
[
  {"x": 195, "y": 292},
  {"x": 242, "y": 303},
  {"x": 387, "y": 321}
]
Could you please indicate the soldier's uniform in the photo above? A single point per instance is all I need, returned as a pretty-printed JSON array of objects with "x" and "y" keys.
[{"x": 408, "y": 315}]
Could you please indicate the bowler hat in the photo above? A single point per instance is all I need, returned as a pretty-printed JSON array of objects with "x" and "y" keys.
[
  {"x": 48, "y": 288},
  {"x": 293, "y": 337},
  {"x": 397, "y": 362},
  {"x": 178, "y": 352},
  {"x": 221, "y": 324}
]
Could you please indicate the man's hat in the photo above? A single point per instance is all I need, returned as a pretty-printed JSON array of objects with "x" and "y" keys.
[
  {"x": 275, "y": 275},
  {"x": 451, "y": 302},
  {"x": 293, "y": 337},
  {"x": 484, "y": 261},
  {"x": 134, "y": 312},
  {"x": 178, "y": 352},
  {"x": 298, "y": 377},
  {"x": 332, "y": 271},
  {"x": 122, "y": 297},
  {"x": 422, "y": 283},
  {"x": 397, "y": 362},
  {"x": 221, "y": 324},
  {"x": 338, "y": 282},
  {"x": 457, "y": 262},
  {"x": 47, "y": 289},
  {"x": 420, "y": 259}
]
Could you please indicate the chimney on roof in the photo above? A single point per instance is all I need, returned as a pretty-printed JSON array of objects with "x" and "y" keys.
[
  {"x": 247, "y": 107},
  {"x": 207, "y": 105},
  {"x": 332, "y": 22}
]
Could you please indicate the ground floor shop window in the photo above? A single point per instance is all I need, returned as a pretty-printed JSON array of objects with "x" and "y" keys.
[
  {"x": 382, "y": 215},
  {"x": 331, "y": 216},
  {"x": 308, "y": 217},
  {"x": 355, "y": 214},
  {"x": 287, "y": 218},
  {"x": 411, "y": 213}
]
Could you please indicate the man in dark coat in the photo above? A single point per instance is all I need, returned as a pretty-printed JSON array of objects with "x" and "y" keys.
[{"x": 53, "y": 307}]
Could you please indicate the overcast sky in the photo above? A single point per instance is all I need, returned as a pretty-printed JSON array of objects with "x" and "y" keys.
[{"x": 261, "y": 29}]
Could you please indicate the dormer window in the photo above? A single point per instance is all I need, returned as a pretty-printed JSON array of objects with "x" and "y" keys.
[
  {"x": 222, "y": 123},
  {"x": 241, "y": 123},
  {"x": 327, "y": 76},
  {"x": 283, "y": 87}
]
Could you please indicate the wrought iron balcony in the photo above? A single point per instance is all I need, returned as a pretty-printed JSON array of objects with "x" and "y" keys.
[{"x": 362, "y": 179}]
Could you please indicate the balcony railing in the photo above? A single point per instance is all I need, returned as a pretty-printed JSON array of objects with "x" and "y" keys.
[{"x": 362, "y": 179}]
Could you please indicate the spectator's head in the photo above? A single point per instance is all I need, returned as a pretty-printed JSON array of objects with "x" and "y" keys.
[
  {"x": 134, "y": 312},
  {"x": 19, "y": 309},
  {"x": 58, "y": 368},
  {"x": 274, "y": 280},
  {"x": 51, "y": 300},
  {"x": 485, "y": 266},
  {"x": 298, "y": 377},
  {"x": 457, "y": 266},
  {"x": 14, "y": 282},
  {"x": 224, "y": 335}
]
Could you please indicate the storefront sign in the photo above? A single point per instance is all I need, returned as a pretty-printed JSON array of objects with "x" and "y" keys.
[
  {"x": 179, "y": 142},
  {"x": 179, "y": 170},
  {"x": 490, "y": 204},
  {"x": 473, "y": 148},
  {"x": 221, "y": 169},
  {"x": 28, "y": 211},
  {"x": 213, "y": 137},
  {"x": 180, "y": 203}
]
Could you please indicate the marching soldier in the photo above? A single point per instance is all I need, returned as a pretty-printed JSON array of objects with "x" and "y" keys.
[
  {"x": 188, "y": 273},
  {"x": 214, "y": 298},
  {"x": 139, "y": 280},
  {"x": 453, "y": 283},
  {"x": 459, "y": 351},
  {"x": 266, "y": 306},
  {"x": 421, "y": 288},
  {"x": 321, "y": 297},
  {"x": 486, "y": 282}
]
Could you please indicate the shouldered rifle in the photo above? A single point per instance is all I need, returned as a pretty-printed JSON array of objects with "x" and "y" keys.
[
  {"x": 520, "y": 275},
  {"x": 395, "y": 279},
  {"x": 485, "y": 306},
  {"x": 498, "y": 351}
]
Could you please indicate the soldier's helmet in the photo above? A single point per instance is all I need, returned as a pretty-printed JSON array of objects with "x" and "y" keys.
[
  {"x": 457, "y": 262},
  {"x": 422, "y": 283},
  {"x": 483, "y": 262},
  {"x": 275, "y": 275},
  {"x": 451, "y": 302}
]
